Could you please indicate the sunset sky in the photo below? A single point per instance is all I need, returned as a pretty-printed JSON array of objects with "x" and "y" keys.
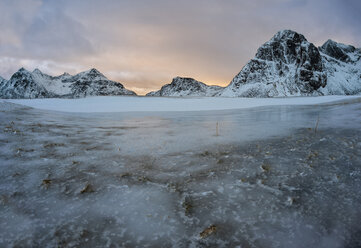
[{"x": 145, "y": 43}]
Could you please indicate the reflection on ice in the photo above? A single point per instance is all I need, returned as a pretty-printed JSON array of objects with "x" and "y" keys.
[{"x": 166, "y": 179}]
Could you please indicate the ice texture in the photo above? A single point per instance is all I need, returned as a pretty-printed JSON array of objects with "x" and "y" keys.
[
  {"x": 171, "y": 104},
  {"x": 271, "y": 176}
]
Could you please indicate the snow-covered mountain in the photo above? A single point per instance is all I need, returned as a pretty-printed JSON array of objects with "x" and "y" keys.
[
  {"x": 289, "y": 65},
  {"x": 186, "y": 87},
  {"x": 286, "y": 65},
  {"x": 342, "y": 64},
  {"x": 25, "y": 84}
]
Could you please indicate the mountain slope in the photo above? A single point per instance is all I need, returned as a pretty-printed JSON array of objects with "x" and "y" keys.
[
  {"x": 186, "y": 87},
  {"x": 342, "y": 64},
  {"x": 25, "y": 84},
  {"x": 287, "y": 65},
  {"x": 3, "y": 82}
]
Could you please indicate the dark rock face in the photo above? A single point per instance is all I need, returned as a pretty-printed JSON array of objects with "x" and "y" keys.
[
  {"x": 337, "y": 51},
  {"x": 286, "y": 65},
  {"x": 186, "y": 87},
  {"x": 25, "y": 84}
]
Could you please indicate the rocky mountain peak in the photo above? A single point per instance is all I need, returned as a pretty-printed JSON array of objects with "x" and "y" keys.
[
  {"x": 22, "y": 70},
  {"x": 285, "y": 35},
  {"x": 285, "y": 65},
  {"x": 21, "y": 73},
  {"x": 37, "y": 71},
  {"x": 337, "y": 51},
  {"x": 289, "y": 47},
  {"x": 185, "y": 86},
  {"x": 182, "y": 80},
  {"x": 179, "y": 84},
  {"x": 94, "y": 72}
]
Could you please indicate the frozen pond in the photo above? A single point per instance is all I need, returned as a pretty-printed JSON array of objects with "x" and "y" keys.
[{"x": 277, "y": 176}]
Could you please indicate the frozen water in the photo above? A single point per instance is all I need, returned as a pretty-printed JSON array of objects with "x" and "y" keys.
[
  {"x": 278, "y": 176},
  {"x": 146, "y": 104}
]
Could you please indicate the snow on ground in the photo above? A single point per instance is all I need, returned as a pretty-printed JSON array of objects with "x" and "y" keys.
[{"x": 129, "y": 104}]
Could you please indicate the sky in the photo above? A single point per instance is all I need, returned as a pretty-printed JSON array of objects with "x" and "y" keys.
[{"x": 144, "y": 44}]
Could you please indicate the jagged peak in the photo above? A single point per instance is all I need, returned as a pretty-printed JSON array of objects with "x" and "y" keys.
[
  {"x": 288, "y": 34},
  {"x": 337, "y": 50},
  {"x": 329, "y": 42},
  {"x": 184, "y": 80},
  {"x": 178, "y": 78},
  {"x": 333, "y": 44},
  {"x": 22, "y": 69},
  {"x": 37, "y": 71},
  {"x": 65, "y": 74},
  {"x": 94, "y": 71}
]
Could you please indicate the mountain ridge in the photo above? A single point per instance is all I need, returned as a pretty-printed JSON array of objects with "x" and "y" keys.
[
  {"x": 36, "y": 84},
  {"x": 185, "y": 86}
]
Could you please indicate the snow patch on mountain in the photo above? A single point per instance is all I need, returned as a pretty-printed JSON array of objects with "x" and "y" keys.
[{"x": 56, "y": 85}]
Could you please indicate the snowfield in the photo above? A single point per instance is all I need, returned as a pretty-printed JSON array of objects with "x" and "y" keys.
[
  {"x": 173, "y": 172},
  {"x": 146, "y": 104}
]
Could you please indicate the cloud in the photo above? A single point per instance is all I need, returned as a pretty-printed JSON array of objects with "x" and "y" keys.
[
  {"x": 9, "y": 65},
  {"x": 144, "y": 44},
  {"x": 14, "y": 18},
  {"x": 41, "y": 30}
]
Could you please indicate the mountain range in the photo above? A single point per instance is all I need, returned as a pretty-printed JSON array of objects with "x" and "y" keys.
[
  {"x": 35, "y": 84},
  {"x": 286, "y": 65}
]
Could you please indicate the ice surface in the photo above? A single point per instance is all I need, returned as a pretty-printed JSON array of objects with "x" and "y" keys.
[
  {"x": 145, "y": 104},
  {"x": 271, "y": 176}
]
